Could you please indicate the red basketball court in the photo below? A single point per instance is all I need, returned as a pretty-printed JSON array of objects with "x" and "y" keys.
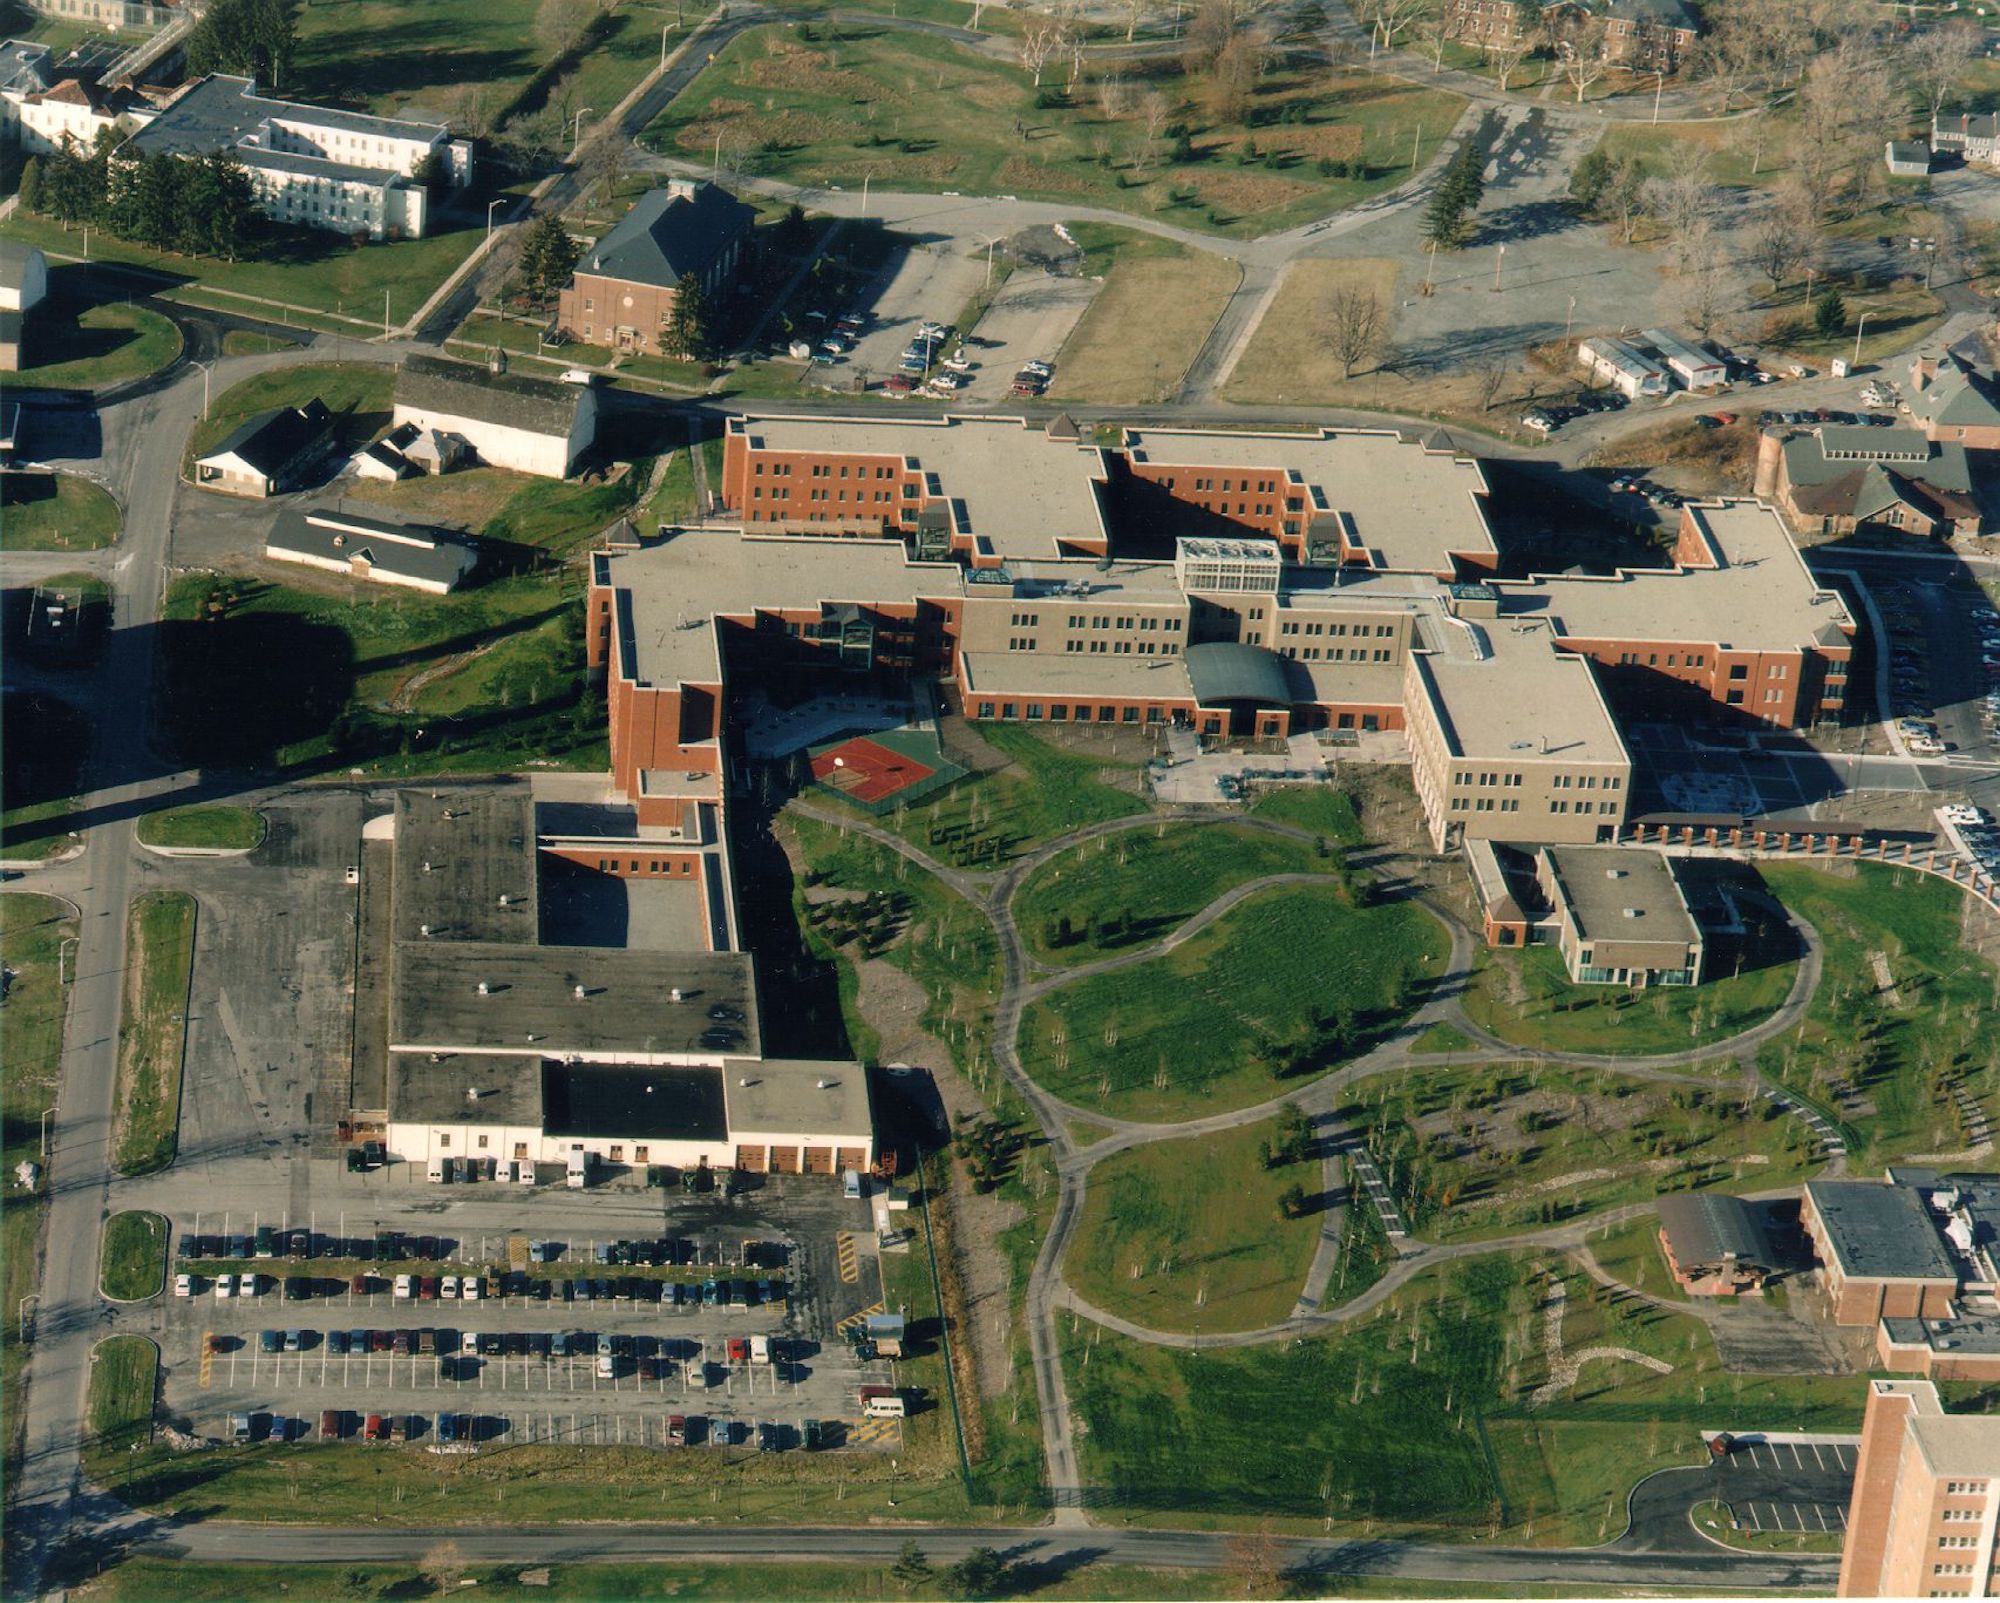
[{"x": 866, "y": 771}]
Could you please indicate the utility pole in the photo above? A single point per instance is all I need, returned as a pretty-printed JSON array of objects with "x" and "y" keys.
[
  {"x": 1416, "y": 145},
  {"x": 1569, "y": 319},
  {"x": 1858, "y": 327},
  {"x": 1499, "y": 261},
  {"x": 385, "y": 314},
  {"x": 1659, "y": 84}
]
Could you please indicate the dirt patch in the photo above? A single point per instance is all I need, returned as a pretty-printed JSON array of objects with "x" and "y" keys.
[
  {"x": 991, "y": 93},
  {"x": 1018, "y": 172},
  {"x": 1243, "y": 194},
  {"x": 1339, "y": 142},
  {"x": 811, "y": 72}
]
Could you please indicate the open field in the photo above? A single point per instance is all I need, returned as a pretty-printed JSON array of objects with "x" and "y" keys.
[
  {"x": 1525, "y": 996},
  {"x": 124, "y": 1374},
  {"x": 1141, "y": 331},
  {"x": 77, "y": 345},
  {"x": 1489, "y": 1150},
  {"x": 490, "y": 677},
  {"x": 474, "y": 60},
  {"x": 1133, "y": 888},
  {"x": 1319, "y": 808},
  {"x": 135, "y": 1255},
  {"x": 515, "y": 509},
  {"x": 1287, "y": 983},
  {"x": 153, "y": 1032},
  {"x": 214, "y": 828},
  {"x": 1879, "y": 1061},
  {"x": 77, "y": 516},
  {"x": 927, "y": 113},
  {"x": 1043, "y": 791},
  {"x": 357, "y": 393},
  {"x": 1290, "y": 359},
  {"x": 33, "y": 932},
  {"x": 1417, "y": 1419},
  {"x": 1630, "y": 1253},
  {"x": 320, "y": 272},
  {"x": 1187, "y": 1235}
]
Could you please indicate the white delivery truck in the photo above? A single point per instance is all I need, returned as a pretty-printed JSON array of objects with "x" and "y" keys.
[{"x": 578, "y": 1175}]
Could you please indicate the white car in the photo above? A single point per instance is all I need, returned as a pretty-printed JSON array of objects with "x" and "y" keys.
[
  {"x": 225, "y": 1287},
  {"x": 251, "y": 1285},
  {"x": 448, "y": 1288},
  {"x": 959, "y": 361},
  {"x": 577, "y": 375},
  {"x": 1041, "y": 369},
  {"x": 1962, "y": 815},
  {"x": 468, "y": 1288},
  {"x": 183, "y": 1285},
  {"x": 402, "y": 1290}
]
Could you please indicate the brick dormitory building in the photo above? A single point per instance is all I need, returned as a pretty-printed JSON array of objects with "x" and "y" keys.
[{"x": 1242, "y": 584}]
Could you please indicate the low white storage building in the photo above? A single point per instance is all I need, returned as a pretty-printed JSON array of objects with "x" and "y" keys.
[
  {"x": 1696, "y": 368},
  {"x": 412, "y": 557},
  {"x": 1617, "y": 364},
  {"x": 528, "y": 425},
  {"x": 24, "y": 285}
]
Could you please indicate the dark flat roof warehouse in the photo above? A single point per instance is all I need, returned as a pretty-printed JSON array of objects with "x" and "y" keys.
[
  {"x": 531, "y": 1002},
  {"x": 457, "y": 853},
  {"x": 1881, "y": 1232},
  {"x": 618, "y": 1099},
  {"x": 1708, "y": 1226},
  {"x": 508, "y": 1087}
]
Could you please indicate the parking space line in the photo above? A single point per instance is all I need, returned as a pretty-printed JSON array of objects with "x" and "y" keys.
[{"x": 1820, "y": 1514}]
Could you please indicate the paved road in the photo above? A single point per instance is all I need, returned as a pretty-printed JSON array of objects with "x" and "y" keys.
[{"x": 1603, "y": 1568}]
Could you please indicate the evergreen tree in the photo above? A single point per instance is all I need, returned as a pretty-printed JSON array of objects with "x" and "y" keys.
[
  {"x": 691, "y": 328},
  {"x": 1830, "y": 314},
  {"x": 912, "y": 1568},
  {"x": 793, "y": 234},
  {"x": 1444, "y": 223},
  {"x": 31, "y": 184},
  {"x": 981, "y": 1573},
  {"x": 548, "y": 257},
  {"x": 255, "y": 37},
  {"x": 1589, "y": 181}
]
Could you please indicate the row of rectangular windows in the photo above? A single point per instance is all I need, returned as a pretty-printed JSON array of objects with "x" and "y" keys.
[
  {"x": 1559, "y": 782},
  {"x": 1341, "y": 654},
  {"x": 1381, "y": 631},
  {"x": 1114, "y": 648},
  {"x": 1512, "y": 804}
]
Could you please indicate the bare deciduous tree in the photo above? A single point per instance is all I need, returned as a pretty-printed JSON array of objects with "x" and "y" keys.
[
  {"x": 562, "y": 24},
  {"x": 1782, "y": 240},
  {"x": 1353, "y": 325},
  {"x": 1254, "y": 1562},
  {"x": 1111, "y": 96},
  {"x": 1231, "y": 78},
  {"x": 444, "y": 1565},
  {"x": 1135, "y": 13},
  {"x": 1505, "y": 56},
  {"x": 1434, "y": 32},
  {"x": 1581, "y": 56},
  {"x": 1492, "y": 374},
  {"x": 1936, "y": 57},
  {"x": 1699, "y": 294},
  {"x": 1214, "y": 25},
  {"x": 1387, "y": 18},
  {"x": 1041, "y": 41}
]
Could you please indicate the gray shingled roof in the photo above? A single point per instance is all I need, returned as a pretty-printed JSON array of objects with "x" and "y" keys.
[
  {"x": 1881, "y": 1232},
  {"x": 270, "y": 441},
  {"x": 1706, "y": 1227},
  {"x": 670, "y": 235},
  {"x": 410, "y": 550},
  {"x": 458, "y": 389}
]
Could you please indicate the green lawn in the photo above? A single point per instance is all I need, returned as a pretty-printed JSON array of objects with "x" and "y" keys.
[
  {"x": 1417, "y": 1420},
  {"x": 930, "y": 932},
  {"x": 1138, "y": 886},
  {"x": 216, "y": 828},
  {"x": 135, "y": 1255},
  {"x": 1287, "y": 983},
  {"x": 1187, "y": 1235},
  {"x": 924, "y": 113},
  {"x": 124, "y": 1375},
  {"x": 33, "y": 931},
  {"x": 153, "y": 1033},
  {"x": 1493, "y": 1149},
  {"x": 483, "y": 53},
  {"x": 80, "y": 346},
  {"x": 1881, "y": 1062},
  {"x": 1043, "y": 791},
  {"x": 1630, "y": 1253},
  {"x": 55, "y": 512},
  {"x": 307, "y": 268},
  {"x": 357, "y": 393},
  {"x": 514, "y": 510},
  {"x": 1443, "y": 1038},
  {"x": 489, "y": 678},
  {"x": 1319, "y": 808},
  {"x": 1525, "y": 996}
]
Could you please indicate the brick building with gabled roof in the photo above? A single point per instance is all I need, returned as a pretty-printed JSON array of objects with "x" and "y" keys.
[{"x": 623, "y": 291}]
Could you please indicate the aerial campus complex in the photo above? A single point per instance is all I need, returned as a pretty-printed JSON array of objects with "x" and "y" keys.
[{"x": 1198, "y": 803}]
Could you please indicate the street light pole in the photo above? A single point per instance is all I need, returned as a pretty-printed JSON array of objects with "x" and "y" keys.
[
  {"x": 1499, "y": 261},
  {"x": 1659, "y": 84},
  {"x": 665, "y": 29},
  {"x": 866, "y": 179},
  {"x": 1858, "y": 327},
  {"x": 45, "y": 1131},
  {"x": 576, "y": 127},
  {"x": 491, "y": 207},
  {"x": 206, "y": 368},
  {"x": 1569, "y": 320}
]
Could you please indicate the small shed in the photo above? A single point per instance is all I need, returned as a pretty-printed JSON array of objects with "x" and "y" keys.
[
  {"x": 266, "y": 453},
  {"x": 24, "y": 283},
  {"x": 407, "y": 555},
  {"x": 1908, "y": 158},
  {"x": 886, "y": 1332}
]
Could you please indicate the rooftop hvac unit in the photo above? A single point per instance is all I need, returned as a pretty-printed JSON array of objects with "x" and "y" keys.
[
  {"x": 472, "y": 1093},
  {"x": 578, "y": 993},
  {"x": 424, "y": 930},
  {"x": 485, "y": 989},
  {"x": 675, "y": 995},
  {"x": 503, "y": 898},
  {"x": 824, "y": 1084}
]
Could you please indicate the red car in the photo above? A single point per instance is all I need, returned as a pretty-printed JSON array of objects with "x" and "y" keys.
[
  {"x": 375, "y": 1429},
  {"x": 739, "y": 1350}
]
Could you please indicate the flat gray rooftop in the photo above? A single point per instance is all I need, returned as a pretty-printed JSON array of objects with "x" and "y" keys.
[
  {"x": 1980, "y": 1334},
  {"x": 1524, "y": 702},
  {"x": 581, "y": 907},
  {"x": 423, "y": 1092},
  {"x": 785, "y": 1096},
  {"x": 1605, "y": 883},
  {"x": 484, "y": 850},
  {"x": 628, "y": 1008},
  {"x": 1881, "y": 1232}
]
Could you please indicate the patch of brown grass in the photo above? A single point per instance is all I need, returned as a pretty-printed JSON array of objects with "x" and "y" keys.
[
  {"x": 1286, "y": 361},
  {"x": 1062, "y": 178},
  {"x": 1144, "y": 328},
  {"x": 1687, "y": 457},
  {"x": 810, "y": 72},
  {"x": 1242, "y": 194}
]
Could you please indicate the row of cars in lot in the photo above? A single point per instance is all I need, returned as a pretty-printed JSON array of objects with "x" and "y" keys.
[
  {"x": 465, "y": 1431},
  {"x": 397, "y": 1246},
  {"x": 615, "y": 1355},
  {"x": 1547, "y": 419},
  {"x": 714, "y": 1292},
  {"x": 1976, "y": 832}
]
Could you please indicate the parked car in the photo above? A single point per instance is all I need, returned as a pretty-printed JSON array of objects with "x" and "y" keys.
[{"x": 183, "y": 1285}]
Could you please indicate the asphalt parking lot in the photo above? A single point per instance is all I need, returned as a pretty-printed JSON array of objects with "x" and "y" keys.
[
  {"x": 808, "y": 1239},
  {"x": 1792, "y": 1486},
  {"x": 1028, "y": 321},
  {"x": 927, "y": 281}
]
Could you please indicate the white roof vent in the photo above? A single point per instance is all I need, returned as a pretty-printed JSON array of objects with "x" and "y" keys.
[
  {"x": 579, "y": 993},
  {"x": 472, "y": 1093},
  {"x": 824, "y": 1084},
  {"x": 675, "y": 995},
  {"x": 427, "y": 866},
  {"x": 746, "y": 1082},
  {"x": 503, "y": 898},
  {"x": 1614, "y": 873},
  {"x": 1635, "y": 912},
  {"x": 424, "y": 930},
  {"x": 485, "y": 989}
]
